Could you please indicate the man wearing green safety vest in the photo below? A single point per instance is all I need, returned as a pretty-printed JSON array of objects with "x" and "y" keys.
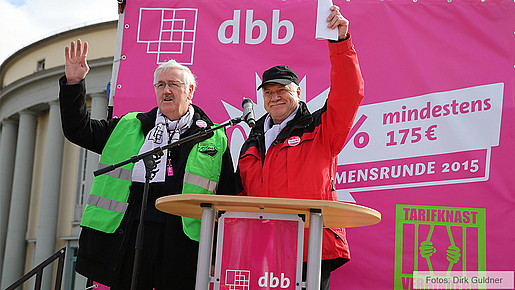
[{"x": 110, "y": 219}]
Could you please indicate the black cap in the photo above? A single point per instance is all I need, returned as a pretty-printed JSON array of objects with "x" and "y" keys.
[{"x": 280, "y": 74}]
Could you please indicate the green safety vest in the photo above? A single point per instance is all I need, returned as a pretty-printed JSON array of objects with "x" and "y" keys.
[{"x": 110, "y": 191}]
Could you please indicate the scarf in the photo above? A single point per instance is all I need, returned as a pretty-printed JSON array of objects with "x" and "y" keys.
[
  {"x": 164, "y": 132},
  {"x": 272, "y": 131}
]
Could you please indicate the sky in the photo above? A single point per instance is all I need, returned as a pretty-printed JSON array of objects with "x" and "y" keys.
[{"x": 23, "y": 22}]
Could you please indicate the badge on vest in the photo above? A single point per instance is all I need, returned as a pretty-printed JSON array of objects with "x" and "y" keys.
[{"x": 209, "y": 150}]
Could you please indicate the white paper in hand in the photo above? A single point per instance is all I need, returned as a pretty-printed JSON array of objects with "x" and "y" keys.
[{"x": 322, "y": 31}]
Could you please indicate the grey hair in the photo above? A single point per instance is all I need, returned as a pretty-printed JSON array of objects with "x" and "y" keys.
[
  {"x": 292, "y": 86},
  {"x": 189, "y": 77}
]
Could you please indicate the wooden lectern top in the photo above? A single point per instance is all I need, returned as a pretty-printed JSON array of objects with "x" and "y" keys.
[{"x": 335, "y": 214}]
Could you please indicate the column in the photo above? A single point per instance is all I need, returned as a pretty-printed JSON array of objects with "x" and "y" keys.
[
  {"x": 98, "y": 111},
  {"x": 15, "y": 244},
  {"x": 50, "y": 191},
  {"x": 7, "y": 151},
  {"x": 98, "y": 105}
]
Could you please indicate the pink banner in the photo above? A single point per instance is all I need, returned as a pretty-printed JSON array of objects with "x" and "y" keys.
[{"x": 432, "y": 147}]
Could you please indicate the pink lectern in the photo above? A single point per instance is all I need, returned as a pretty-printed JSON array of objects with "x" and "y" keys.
[{"x": 317, "y": 213}]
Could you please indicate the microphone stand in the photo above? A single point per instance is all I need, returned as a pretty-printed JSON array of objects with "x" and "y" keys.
[{"x": 149, "y": 159}]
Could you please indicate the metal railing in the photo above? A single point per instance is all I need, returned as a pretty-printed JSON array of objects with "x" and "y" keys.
[{"x": 38, "y": 271}]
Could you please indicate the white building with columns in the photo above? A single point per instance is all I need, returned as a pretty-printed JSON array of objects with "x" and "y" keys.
[{"x": 44, "y": 179}]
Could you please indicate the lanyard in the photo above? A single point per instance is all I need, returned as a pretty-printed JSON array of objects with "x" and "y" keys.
[{"x": 169, "y": 167}]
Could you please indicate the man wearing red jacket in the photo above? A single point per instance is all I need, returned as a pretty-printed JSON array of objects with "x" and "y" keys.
[{"x": 292, "y": 153}]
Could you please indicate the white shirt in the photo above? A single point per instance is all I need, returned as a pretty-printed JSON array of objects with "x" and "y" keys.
[{"x": 271, "y": 132}]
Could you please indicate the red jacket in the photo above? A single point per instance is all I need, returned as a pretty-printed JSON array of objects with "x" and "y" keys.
[{"x": 302, "y": 161}]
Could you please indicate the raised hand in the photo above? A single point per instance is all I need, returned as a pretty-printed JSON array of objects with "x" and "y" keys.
[
  {"x": 76, "y": 67},
  {"x": 336, "y": 20}
]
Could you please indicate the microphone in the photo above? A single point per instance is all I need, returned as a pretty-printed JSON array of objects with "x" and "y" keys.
[{"x": 248, "y": 112}]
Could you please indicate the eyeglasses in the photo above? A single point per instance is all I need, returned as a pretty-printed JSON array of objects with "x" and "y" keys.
[{"x": 174, "y": 85}]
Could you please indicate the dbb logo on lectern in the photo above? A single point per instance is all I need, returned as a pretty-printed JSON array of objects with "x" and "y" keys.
[{"x": 268, "y": 280}]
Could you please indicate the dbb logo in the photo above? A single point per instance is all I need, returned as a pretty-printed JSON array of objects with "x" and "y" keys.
[
  {"x": 250, "y": 24},
  {"x": 273, "y": 282}
]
